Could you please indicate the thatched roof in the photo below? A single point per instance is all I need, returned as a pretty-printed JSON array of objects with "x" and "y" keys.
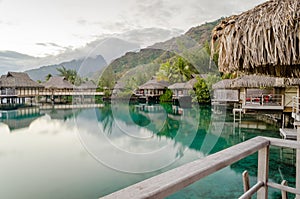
[
  {"x": 258, "y": 81},
  {"x": 177, "y": 86},
  {"x": 88, "y": 85},
  {"x": 223, "y": 84},
  {"x": 263, "y": 40},
  {"x": 58, "y": 83},
  {"x": 18, "y": 80},
  {"x": 120, "y": 85},
  {"x": 189, "y": 85},
  {"x": 154, "y": 84}
]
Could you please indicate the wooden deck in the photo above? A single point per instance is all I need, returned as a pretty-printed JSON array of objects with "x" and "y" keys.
[
  {"x": 262, "y": 107},
  {"x": 174, "y": 180},
  {"x": 288, "y": 134}
]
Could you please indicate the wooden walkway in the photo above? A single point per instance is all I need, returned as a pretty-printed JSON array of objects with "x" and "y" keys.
[
  {"x": 70, "y": 106},
  {"x": 288, "y": 134},
  {"x": 72, "y": 93}
]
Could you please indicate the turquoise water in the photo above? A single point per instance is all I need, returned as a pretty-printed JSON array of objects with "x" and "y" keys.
[{"x": 88, "y": 153}]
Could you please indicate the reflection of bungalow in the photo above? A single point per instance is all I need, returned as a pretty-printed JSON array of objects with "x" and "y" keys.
[
  {"x": 17, "y": 87},
  {"x": 20, "y": 118},
  {"x": 224, "y": 93},
  {"x": 152, "y": 90}
]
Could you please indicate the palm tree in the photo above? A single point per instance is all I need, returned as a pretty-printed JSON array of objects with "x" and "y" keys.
[
  {"x": 70, "y": 75},
  {"x": 48, "y": 77},
  {"x": 176, "y": 71}
]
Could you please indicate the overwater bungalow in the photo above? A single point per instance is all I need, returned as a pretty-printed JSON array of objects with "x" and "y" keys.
[
  {"x": 258, "y": 92},
  {"x": 182, "y": 92},
  {"x": 17, "y": 88},
  {"x": 152, "y": 90},
  {"x": 57, "y": 87},
  {"x": 224, "y": 93},
  {"x": 88, "y": 86},
  {"x": 119, "y": 88},
  {"x": 86, "y": 92},
  {"x": 263, "y": 40}
]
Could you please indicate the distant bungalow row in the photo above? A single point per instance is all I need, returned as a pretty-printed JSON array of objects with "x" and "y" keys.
[
  {"x": 251, "y": 92},
  {"x": 17, "y": 88},
  {"x": 153, "y": 89}
]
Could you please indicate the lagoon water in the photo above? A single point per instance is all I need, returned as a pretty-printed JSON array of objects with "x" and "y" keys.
[{"x": 89, "y": 153}]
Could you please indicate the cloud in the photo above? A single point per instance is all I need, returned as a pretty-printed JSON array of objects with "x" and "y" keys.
[
  {"x": 149, "y": 36},
  {"x": 49, "y": 44},
  {"x": 82, "y": 22},
  {"x": 188, "y": 13},
  {"x": 110, "y": 46},
  {"x": 41, "y": 44}
]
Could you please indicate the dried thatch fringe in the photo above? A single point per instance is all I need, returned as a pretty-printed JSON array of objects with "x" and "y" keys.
[
  {"x": 256, "y": 81},
  {"x": 263, "y": 40}
]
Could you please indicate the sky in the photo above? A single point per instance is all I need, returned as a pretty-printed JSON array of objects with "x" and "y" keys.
[{"x": 49, "y": 28}]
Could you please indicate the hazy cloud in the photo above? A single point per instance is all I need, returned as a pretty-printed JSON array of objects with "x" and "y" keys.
[
  {"x": 82, "y": 22},
  {"x": 184, "y": 14},
  {"x": 139, "y": 22},
  {"x": 110, "y": 46},
  {"x": 41, "y": 44}
]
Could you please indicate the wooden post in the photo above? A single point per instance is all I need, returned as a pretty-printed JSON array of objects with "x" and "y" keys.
[
  {"x": 246, "y": 182},
  {"x": 284, "y": 193},
  {"x": 263, "y": 172},
  {"x": 298, "y": 160}
]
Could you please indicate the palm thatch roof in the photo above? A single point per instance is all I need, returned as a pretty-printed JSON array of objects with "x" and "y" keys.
[
  {"x": 177, "y": 86},
  {"x": 263, "y": 40},
  {"x": 189, "y": 85},
  {"x": 154, "y": 84},
  {"x": 88, "y": 85},
  {"x": 223, "y": 84},
  {"x": 18, "y": 80},
  {"x": 258, "y": 81},
  {"x": 58, "y": 83}
]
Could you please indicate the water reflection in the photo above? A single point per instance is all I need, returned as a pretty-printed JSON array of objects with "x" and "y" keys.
[
  {"x": 20, "y": 118},
  {"x": 45, "y": 158},
  {"x": 140, "y": 138}
]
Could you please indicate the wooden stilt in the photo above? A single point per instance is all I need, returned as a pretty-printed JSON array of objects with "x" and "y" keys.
[
  {"x": 246, "y": 182},
  {"x": 284, "y": 193}
]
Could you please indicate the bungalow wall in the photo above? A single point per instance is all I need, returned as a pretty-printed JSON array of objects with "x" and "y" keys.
[
  {"x": 26, "y": 92},
  {"x": 181, "y": 92},
  {"x": 226, "y": 95},
  {"x": 289, "y": 93},
  {"x": 20, "y": 92}
]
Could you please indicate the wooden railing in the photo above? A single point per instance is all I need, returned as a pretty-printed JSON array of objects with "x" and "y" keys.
[
  {"x": 266, "y": 100},
  {"x": 8, "y": 92},
  {"x": 71, "y": 93},
  {"x": 174, "y": 180}
]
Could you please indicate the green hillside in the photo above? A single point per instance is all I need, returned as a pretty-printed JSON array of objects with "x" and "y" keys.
[{"x": 192, "y": 46}]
